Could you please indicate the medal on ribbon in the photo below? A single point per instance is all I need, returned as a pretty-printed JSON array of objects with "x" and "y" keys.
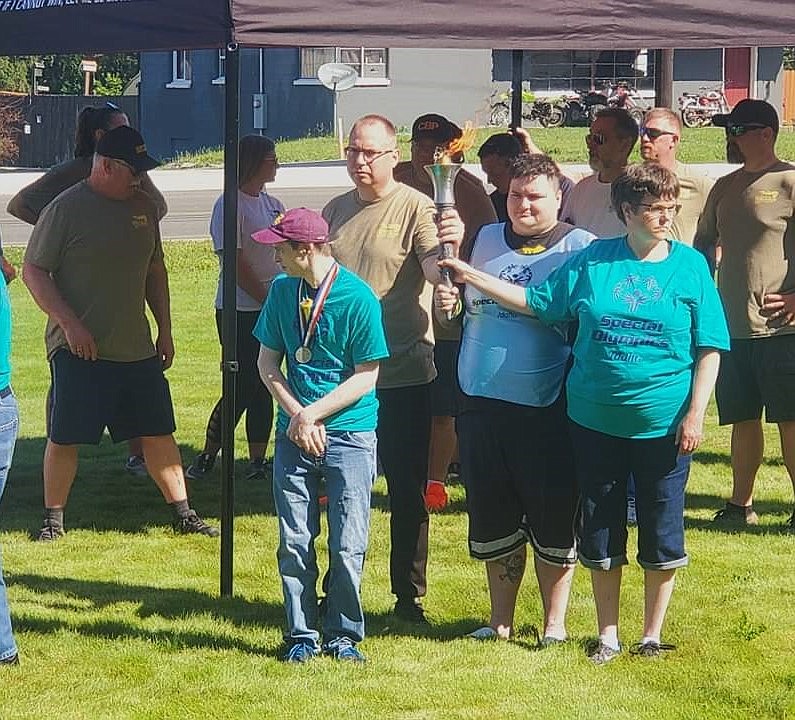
[{"x": 309, "y": 312}]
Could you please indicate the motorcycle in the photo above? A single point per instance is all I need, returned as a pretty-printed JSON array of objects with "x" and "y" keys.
[
  {"x": 697, "y": 109},
  {"x": 548, "y": 112},
  {"x": 582, "y": 107}
]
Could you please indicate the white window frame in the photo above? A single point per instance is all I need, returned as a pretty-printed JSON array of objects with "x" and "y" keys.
[
  {"x": 181, "y": 72},
  {"x": 220, "y": 79},
  {"x": 360, "y": 80}
]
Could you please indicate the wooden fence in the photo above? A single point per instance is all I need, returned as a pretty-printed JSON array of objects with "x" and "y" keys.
[
  {"x": 788, "y": 105},
  {"x": 46, "y": 131}
]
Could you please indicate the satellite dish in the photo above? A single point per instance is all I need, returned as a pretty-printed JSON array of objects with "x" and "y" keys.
[{"x": 337, "y": 76}]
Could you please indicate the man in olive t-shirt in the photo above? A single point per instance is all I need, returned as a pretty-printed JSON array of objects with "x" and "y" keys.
[
  {"x": 429, "y": 134},
  {"x": 748, "y": 218},
  {"x": 94, "y": 259},
  {"x": 384, "y": 231}
]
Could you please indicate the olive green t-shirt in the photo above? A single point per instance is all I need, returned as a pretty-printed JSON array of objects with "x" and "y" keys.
[
  {"x": 750, "y": 216},
  {"x": 36, "y": 196},
  {"x": 98, "y": 252},
  {"x": 384, "y": 242},
  {"x": 475, "y": 209},
  {"x": 693, "y": 191}
]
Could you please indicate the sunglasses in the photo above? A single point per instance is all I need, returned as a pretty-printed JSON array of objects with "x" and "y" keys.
[
  {"x": 654, "y": 133},
  {"x": 737, "y": 130},
  {"x": 595, "y": 138}
]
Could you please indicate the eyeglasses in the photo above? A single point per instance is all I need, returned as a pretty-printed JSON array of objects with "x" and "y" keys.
[
  {"x": 737, "y": 130},
  {"x": 271, "y": 158},
  {"x": 127, "y": 165},
  {"x": 595, "y": 138},
  {"x": 654, "y": 133},
  {"x": 660, "y": 210},
  {"x": 370, "y": 156}
]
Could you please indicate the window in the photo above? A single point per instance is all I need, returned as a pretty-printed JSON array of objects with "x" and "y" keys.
[
  {"x": 220, "y": 78},
  {"x": 180, "y": 69},
  {"x": 370, "y": 63}
]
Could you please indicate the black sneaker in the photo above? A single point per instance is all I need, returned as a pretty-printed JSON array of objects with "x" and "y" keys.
[
  {"x": 192, "y": 524},
  {"x": 201, "y": 465},
  {"x": 732, "y": 514},
  {"x": 13, "y": 660},
  {"x": 50, "y": 533},
  {"x": 600, "y": 654},
  {"x": 650, "y": 648},
  {"x": 258, "y": 469},
  {"x": 410, "y": 610}
]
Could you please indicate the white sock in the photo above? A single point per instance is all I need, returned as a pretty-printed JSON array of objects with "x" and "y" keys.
[
  {"x": 611, "y": 641},
  {"x": 648, "y": 639}
]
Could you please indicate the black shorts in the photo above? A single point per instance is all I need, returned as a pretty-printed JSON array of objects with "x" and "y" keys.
[
  {"x": 444, "y": 388},
  {"x": 755, "y": 374},
  {"x": 518, "y": 470},
  {"x": 130, "y": 399}
]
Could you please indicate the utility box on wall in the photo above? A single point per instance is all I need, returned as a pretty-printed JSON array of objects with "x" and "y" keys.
[{"x": 260, "y": 107}]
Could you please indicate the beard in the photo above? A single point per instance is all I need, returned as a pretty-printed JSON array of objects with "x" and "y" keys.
[{"x": 734, "y": 154}]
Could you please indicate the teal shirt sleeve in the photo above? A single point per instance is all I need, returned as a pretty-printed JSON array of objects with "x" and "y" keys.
[
  {"x": 552, "y": 300},
  {"x": 368, "y": 341},
  {"x": 267, "y": 329},
  {"x": 709, "y": 320}
]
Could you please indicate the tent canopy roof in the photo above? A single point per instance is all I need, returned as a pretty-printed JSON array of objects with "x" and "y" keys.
[{"x": 66, "y": 26}]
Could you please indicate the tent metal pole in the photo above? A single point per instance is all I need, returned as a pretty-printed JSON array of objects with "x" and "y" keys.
[
  {"x": 517, "y": 61},
  {"x": 229, "y": 366}
]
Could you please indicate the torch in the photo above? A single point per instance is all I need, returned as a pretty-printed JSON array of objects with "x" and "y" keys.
[{"x": 442, "y": 174}]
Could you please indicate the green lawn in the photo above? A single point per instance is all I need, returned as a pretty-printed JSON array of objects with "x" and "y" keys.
[
  {"x": 565, "y": 145},
  {"x": 122, "y": 619}
]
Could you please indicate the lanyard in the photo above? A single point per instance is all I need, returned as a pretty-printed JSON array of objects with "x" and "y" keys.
[{"x": 309, "y": 312}]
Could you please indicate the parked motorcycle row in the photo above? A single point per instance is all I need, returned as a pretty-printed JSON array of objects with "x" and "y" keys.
[
  {"x": 575, "y": 108},
  {"x": 571, "y": 107}
]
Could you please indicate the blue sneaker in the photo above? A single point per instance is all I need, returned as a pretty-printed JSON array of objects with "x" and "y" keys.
[
  {"x": 342, "y": 648},
  {"x": 300, "y": 652}
]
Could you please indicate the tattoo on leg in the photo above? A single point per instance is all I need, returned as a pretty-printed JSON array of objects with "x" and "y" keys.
[{"x": 512, "y": 567}]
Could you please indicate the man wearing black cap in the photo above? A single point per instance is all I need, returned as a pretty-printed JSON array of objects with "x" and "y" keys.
[
  {"x": 748, "y": 224},
  {"x": 430, "y": 134},
  {"x": 93, "y": 258}
]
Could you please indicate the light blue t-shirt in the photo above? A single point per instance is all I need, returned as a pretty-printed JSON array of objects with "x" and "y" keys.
[
  {"x": 506, "y": 355},
  {"x": 5, "y": 335},
  {"x": 350, "y": 332},
  {"x": 641, "y": 325}
]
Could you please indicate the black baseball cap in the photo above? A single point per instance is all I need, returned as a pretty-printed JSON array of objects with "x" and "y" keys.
[
  {"x": 126, "y": 144},
  {"x": 747, "y": 112},
  {"x": 435, "y": 127}
]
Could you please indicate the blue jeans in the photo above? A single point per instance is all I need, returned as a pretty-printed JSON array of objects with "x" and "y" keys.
[
  {"x": 604, "y": 463},
  {"x": 348, "y": 469},
  {"x": 9, "y": 425}
]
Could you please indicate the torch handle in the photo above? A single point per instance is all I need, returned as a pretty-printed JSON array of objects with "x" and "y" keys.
[{"x": 445, "y": 252}]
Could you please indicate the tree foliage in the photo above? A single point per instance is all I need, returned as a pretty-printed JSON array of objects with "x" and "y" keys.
[
  {"x": 789, "y": 58},
  {"x": 62, "y": 73}
]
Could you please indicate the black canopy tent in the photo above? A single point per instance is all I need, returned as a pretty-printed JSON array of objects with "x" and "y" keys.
[{"x": 29, "y": 27}]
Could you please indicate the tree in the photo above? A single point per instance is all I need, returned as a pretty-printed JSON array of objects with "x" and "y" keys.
[
  {"x": 789, "y": 58},
  {"x": 62, "y": 73},
  {"x": 15, "y": 74},
  {"x": 11, "y": 119}
]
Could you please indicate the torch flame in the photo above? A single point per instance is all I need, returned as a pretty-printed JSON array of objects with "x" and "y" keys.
[{"x": 443, "y": 155}]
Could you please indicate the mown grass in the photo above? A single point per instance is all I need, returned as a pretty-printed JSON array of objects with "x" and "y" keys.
[
  {"x": 565, "y": 145},
  {"x": 121, "y": 619}
]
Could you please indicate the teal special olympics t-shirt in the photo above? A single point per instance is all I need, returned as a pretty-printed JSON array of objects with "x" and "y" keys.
[
  {"x": 641, "y": 325},
  {"x": 5, "y": 335},
  {"x": 350, "y": 332}
]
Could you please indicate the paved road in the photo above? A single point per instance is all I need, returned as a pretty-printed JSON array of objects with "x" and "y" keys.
[
  {"x": 188, "y": 214},
  {"x": 190, "y": 194}
]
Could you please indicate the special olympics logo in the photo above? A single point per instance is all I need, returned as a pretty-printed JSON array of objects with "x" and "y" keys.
[
  {"x": 516, "y": 274},
  {"x": 636, "y": 291}
]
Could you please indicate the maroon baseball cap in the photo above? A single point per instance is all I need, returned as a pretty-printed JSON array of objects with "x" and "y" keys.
[{"x": 299, "y": 225}]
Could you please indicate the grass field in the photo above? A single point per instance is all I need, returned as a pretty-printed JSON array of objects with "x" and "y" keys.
[
  {"x": 121, "y": 619},
  {"x": 565, "y": 145}
]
